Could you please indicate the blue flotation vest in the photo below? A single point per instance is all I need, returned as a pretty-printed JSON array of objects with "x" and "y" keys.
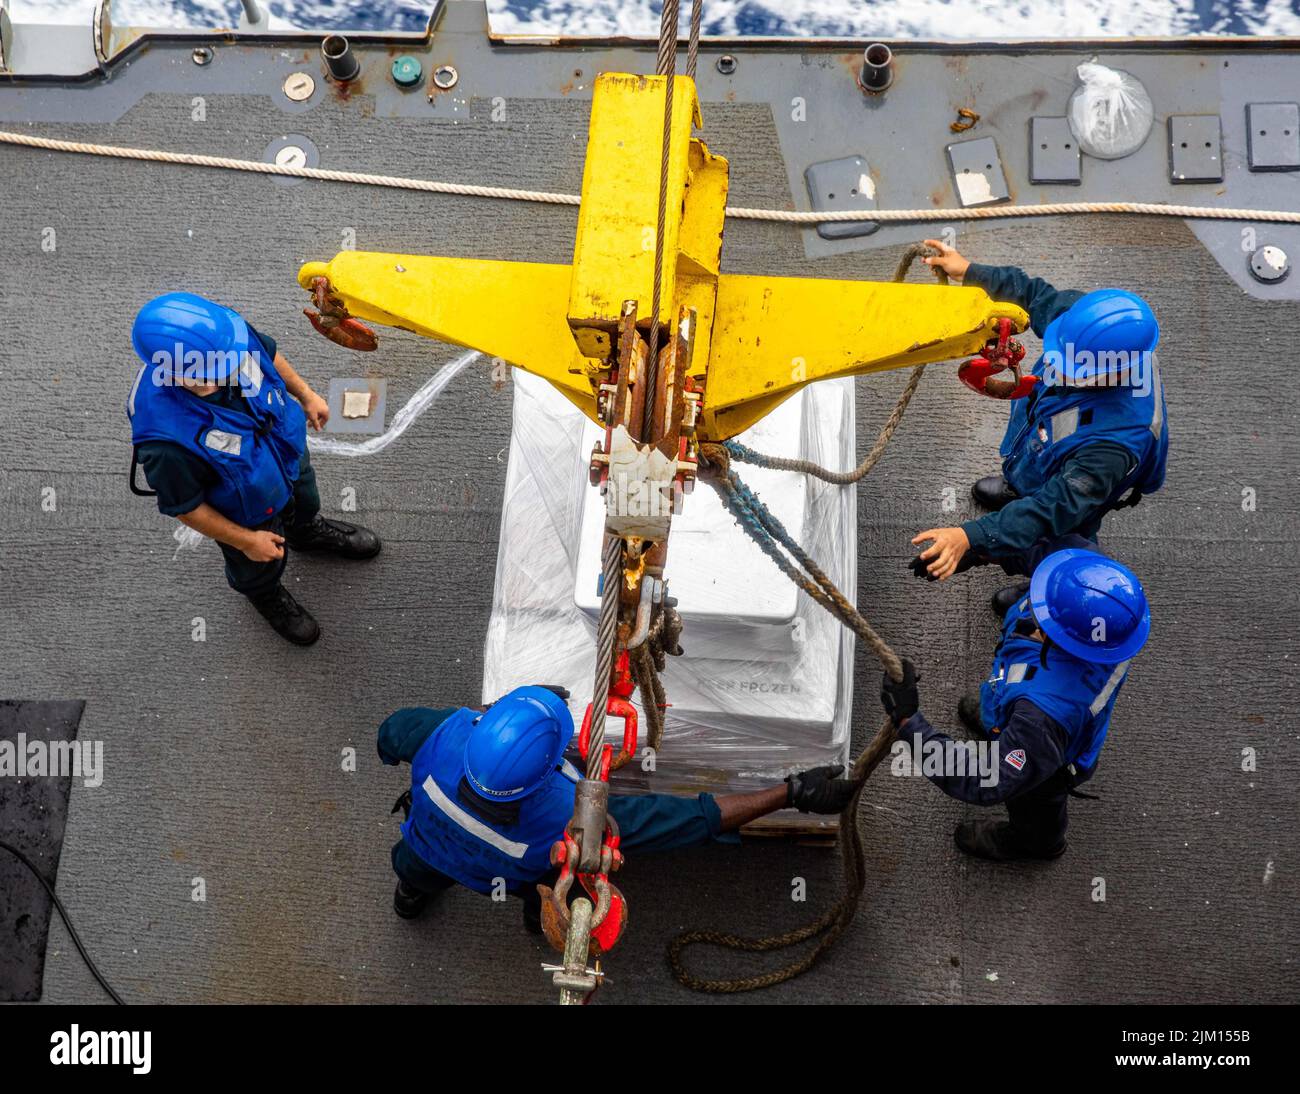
[
  {"x": 452, "y": 839},
  {"x": 255, "y": 454},
  {"x": 1051, "y": 423},
  {"x": 1077, "y": 694}
]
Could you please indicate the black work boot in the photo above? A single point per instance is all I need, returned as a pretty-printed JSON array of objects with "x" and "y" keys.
[
  {"x": 996, "y": 841},
  {"x": 968, "y": 713},
  {"x": 1008, "y": 595},
  {"x": 289, "y": 618},
  {"x": 993, "y": 492},
  {"x": 335, "y": 536},
  {"x": 408, "y": 902}
]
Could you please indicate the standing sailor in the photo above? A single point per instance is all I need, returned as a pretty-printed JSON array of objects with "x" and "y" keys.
[
  {"x": 1046, "y": 706},
  {"x": 219, "y": 423},
  {"x": 1090, "y": 437}
]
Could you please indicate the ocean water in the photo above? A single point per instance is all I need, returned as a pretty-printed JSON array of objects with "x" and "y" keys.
[{"x": 937, "y": 19}]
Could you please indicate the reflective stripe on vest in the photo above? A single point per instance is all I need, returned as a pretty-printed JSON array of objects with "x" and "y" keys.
[
  {"x": 220, "y": 441},
  {"x": 130, "y": 402},
  {"x": 1103, "y": 696},
  {"x": 1158, "y": 394},
  {"x": 472, "y": 825},
  {"x": 251, "y": 371},
  {"x": 1065, "y": 423}
]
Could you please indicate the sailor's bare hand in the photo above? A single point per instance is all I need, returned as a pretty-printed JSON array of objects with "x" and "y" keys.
[
  {"x": 948, "y": 260},
  {"x": 317, "y": 410},
  {"x": 949, "y": 547},
  {"x": 264, "y": 546}
]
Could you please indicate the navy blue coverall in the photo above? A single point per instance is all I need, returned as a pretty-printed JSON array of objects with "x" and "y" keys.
[{"x": 1037, "y": 793}]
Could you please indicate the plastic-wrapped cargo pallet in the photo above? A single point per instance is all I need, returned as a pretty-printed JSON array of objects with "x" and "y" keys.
[{"x": 764, "y": 686}]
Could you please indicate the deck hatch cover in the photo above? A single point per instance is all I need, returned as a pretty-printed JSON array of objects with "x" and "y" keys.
[
  {"x": 977, "y": 172},
  {"x": 835, "y": 185},
  {"x": 1195, "y": 148},
  {"x": 1273, "y": 136},
  {"x": 1053, "y": 152}
]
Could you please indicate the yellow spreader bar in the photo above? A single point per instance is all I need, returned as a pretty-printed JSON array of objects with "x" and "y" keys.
[{"x": 757, "y": 339}]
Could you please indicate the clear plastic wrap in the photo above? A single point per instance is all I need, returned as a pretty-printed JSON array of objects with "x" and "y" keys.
[
  {"x": 1110, "y": 112},
  {"x": 764, "y": 686}
]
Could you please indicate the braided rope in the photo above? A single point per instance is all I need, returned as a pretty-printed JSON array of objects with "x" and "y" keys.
[
  {"x": 768, "y": 532},
  {"x": 782, "y": 216}
]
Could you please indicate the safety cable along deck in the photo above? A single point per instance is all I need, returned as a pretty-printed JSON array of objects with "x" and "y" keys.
[{"x": 781, "y": 216}]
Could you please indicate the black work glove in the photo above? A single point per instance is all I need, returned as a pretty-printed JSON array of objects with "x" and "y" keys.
[
  {"x": 820, "y": 790},
  {"x": 403, "y": 804},
  {"x": 900, "y": 698}
]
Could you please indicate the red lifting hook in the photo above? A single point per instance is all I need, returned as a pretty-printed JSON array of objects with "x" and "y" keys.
[
  {"x": 1000, "y": 353},
  {"x": 620, "y": 708}
]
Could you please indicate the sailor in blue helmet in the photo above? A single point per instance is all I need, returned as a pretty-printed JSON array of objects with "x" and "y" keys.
[
  {"x": 1090, "y": 437},
  {"x": 219, "y": 424},
  {"x": 491, "y": 792},
  {"x": 1065, "y": 651}
]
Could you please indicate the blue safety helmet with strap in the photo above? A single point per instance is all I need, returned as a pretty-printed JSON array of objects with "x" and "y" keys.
[
  {"x": 515, "y": 746},
  {"x": 1068, "y": 676},
  {"x": 456, "y": 825},
  {"x": 197, "y": 338},
  {"x": 1099, "y": 383},
  {"x": 1113, "y": 326},
  {"x": 1091, "y": 606}
]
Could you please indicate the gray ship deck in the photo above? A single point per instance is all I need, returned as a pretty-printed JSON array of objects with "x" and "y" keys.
[{"x": 222, "y": 757}]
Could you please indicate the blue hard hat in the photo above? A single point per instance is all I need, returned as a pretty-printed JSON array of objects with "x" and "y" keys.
[
  {"x": 1107, "y": 321},
  {"x": 515, "y": 746},
  {"x": 1090, "y": 606},
  {"x": 180, "y": 325}
]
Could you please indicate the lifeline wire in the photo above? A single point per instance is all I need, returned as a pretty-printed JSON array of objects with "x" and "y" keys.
[
  {"x": 781, "y": 216},
  {"x": 67, "y": 921}
]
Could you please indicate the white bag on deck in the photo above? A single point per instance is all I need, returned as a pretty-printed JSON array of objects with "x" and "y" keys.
[{"x": 1110, "y": 113}]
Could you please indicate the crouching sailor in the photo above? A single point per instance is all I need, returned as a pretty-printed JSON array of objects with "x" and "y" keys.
[
  {"x": 1090, "y": 437},
  {"x": 219, "y": 424},
  {"x": 1045, "y": 708},
  {"x": 491, "y": 792}
]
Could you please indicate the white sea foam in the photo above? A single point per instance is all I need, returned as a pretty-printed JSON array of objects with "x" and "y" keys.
[{"x": 938, "y": 19}]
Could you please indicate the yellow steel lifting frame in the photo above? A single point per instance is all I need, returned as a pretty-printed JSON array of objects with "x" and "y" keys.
[{"x": 757, "y": 339}]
